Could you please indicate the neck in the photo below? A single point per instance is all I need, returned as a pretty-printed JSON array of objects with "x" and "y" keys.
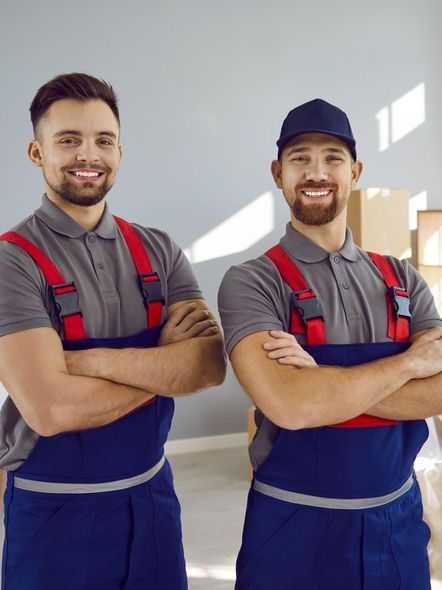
[
  {"x": 87, "y": 217},
  {"x": 330, "y": 236}
]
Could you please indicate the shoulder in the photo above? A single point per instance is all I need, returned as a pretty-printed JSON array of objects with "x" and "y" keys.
[{"x": 258, "y": 272}]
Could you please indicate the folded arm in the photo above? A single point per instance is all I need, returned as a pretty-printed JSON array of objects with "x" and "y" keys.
[
  {"x": 34, "y": 372},
  {"x": 312, "y": 396},
  {"x": 416, "y": 400},
  {"x": 176, "y": 367}
]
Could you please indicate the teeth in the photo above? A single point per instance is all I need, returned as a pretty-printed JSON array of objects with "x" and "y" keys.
[
  {"x": 86, "y": 174},
  {"x": 316, "y": 193}
]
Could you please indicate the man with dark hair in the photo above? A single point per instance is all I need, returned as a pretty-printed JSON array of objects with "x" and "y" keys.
[
  {"x": 342, "y": 378},
  {"x": 102, "y": 323}
]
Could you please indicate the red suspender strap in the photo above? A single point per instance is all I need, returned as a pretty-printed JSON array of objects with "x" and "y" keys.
[
  {"x": 149, "y": 281},
  {"x": 306, "y": 313},
  {"x": 65, "y": 294},
  {"x": 398, "y": 302}
]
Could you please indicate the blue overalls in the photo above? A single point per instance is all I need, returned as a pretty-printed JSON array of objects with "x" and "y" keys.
[
  {"x": 338, "y": 507},
  {"x": 96, "y": 509}
]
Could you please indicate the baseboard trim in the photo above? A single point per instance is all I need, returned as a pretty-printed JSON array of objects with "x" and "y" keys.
[{"x": 206, "y": 443}]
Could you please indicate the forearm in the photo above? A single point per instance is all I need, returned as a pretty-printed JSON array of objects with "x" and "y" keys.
[
  {"x": 416, "y": 400},
  {"x": 175, "y": 369},
  {"x": 329, "y": 395},
  {"x": 79, "y": 403}
]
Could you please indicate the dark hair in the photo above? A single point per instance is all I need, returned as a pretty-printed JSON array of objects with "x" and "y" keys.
[{"x": 76, "y": 85}]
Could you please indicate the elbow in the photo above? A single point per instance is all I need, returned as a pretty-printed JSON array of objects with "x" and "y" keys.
[
  {"x": 43, "y": 423},
  {"x": 213, "y": 366}
]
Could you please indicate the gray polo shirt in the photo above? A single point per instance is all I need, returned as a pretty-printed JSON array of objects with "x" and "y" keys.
[
  {"x": 102, "y": 268},
  {"x": 253, "y": 297}
]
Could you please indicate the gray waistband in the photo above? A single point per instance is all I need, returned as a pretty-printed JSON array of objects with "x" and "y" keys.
[
  {"x": 336, "y": 503},
  {"x": 50, "y": 487}
]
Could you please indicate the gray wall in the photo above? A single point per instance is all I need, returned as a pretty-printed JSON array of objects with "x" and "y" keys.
[{"x": 204, "y": 86}]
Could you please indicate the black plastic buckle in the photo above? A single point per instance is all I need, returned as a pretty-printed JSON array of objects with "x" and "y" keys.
[
  {"x": 308, "y": 308},
  {"x": 67, "y": 303},
  {"x": 401, "y": 304},
  {"x": 151, "y": 288}
]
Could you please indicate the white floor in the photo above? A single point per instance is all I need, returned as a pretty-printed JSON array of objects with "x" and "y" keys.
[{"x": 212, "y": 487}]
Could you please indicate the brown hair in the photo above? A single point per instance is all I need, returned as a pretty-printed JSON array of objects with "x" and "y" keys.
[{"x": 76, "y": 85}]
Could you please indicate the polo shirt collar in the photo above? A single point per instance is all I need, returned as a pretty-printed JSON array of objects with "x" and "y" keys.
[
  {"x": 302, "y": 248},
  {"x": 61, "y": 223}
]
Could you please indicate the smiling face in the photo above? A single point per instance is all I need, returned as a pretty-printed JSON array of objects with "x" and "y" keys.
[
  {"x": 316, "y": 174},
  {"x": 77, "y": 147}
]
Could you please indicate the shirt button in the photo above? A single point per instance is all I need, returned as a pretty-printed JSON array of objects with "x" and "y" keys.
[
  {"x": 100, "y": 265},
  {"x": 345, "y": 285},
  {"x": 337, "y": 259},
  {"x": 91, "y": 239}
]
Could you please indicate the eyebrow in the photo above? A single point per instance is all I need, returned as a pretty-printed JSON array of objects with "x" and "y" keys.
[
  {"x": 76, "y": 132},
  {"x": 301, "y": 149}
]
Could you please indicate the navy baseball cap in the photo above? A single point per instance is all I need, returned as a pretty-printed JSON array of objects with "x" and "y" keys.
[{"x": 317, "y": 116}]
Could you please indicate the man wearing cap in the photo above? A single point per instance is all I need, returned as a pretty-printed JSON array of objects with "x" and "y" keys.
[
  {"x": 341, "y": 352},
  {"x": 102, "y": 324}
]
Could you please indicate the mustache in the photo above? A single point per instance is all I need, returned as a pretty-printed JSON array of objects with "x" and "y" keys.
[
  {"x": 324, "y": 186},
  {"x": 95, "y": 167}
]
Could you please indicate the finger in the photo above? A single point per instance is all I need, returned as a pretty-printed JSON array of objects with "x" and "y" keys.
[
  {"x": 199, "y": 327},
  {"x": 280, "y": 334},
  {"x": 287, "y": 351},
  {"x": 192, "y": 318},
  {"x": 179, "y": 314},
  {"x": 209, "y": 331},
  {"x": 296, "y": 361},
  {"x": 280, "y": 343}
]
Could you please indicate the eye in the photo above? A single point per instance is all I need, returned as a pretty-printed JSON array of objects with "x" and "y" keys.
[
  {"x": 334, "y": 158},
  {"x": 68, "y": 141},
  {"x": 299, "y": 159},
  {"x": 105, "y": 142}
]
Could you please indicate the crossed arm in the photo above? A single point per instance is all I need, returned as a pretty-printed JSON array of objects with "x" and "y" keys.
[
  {"x": 293, "y": 392},
  {"x": 37, "y": 373},
  {"x": 190, "y": 356}
]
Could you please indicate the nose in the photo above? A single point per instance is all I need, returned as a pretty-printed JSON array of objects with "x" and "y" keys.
[
  {"x": 87, "y": 152},
  {"x": 316, "y": 170}
]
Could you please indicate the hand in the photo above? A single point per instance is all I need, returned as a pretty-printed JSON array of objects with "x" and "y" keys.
[
  {"x": 284, "y": 348},
  {"x": 187, "y": 322},
  {"x": 425, "y": 353}
]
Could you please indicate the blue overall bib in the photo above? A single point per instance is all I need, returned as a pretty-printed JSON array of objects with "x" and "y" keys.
[
  {"x": 318, "y": 515},
  {"x": 126, "y": 537}
]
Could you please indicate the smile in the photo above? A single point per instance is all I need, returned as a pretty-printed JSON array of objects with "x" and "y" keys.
[{"x": 316, "y": 194}]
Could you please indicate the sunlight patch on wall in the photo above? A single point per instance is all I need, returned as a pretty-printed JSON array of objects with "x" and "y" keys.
[
  {"x": 402, "y": 117},
  {"x": 237, "y": 233},
  {"x": 417, "y": 203}
]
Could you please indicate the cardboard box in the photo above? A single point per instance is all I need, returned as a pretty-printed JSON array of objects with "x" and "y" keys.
[
  {"x": 429, "y": 237},
  {"x": 379, "y": 220},
  {"x": 433, "y": 276}
]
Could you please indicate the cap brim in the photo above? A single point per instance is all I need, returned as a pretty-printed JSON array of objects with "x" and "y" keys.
[{"x": 348, "y": 140}]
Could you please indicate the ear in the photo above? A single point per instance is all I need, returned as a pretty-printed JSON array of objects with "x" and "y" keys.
[
  {"x": 35, "y": 153},
  {"x": 356, "y": 171},
  {"x": 120, "y": 151},
  {"x": 276, "y": 169}
]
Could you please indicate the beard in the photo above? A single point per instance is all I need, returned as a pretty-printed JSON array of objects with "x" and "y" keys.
[
  {"x": 85, "y": 195},
  {"x": 317, "y": 213}
]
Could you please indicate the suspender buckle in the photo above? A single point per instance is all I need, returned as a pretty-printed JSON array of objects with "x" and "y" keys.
[
  {"x": 400, "y": 303},
  {"x": 151, "y": 289},
  {"x": 66, "y": 299},
  {"x": 308, "y": 307}
]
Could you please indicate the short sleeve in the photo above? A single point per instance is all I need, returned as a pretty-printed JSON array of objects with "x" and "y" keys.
[
  {"x": 21, "y": 292},
  {"x": 423, "y": 309},
  {"x": 182, "y": 283},
  {"x": 248, "y": 302}
]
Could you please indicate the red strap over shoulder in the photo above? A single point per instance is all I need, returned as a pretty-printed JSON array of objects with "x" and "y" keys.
[
  {"x": 149, "y": 281},
  {"x": 398, "y": 302},
  {"x": 65, "y": 294},
  {"x": 306, "y": 314}
]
